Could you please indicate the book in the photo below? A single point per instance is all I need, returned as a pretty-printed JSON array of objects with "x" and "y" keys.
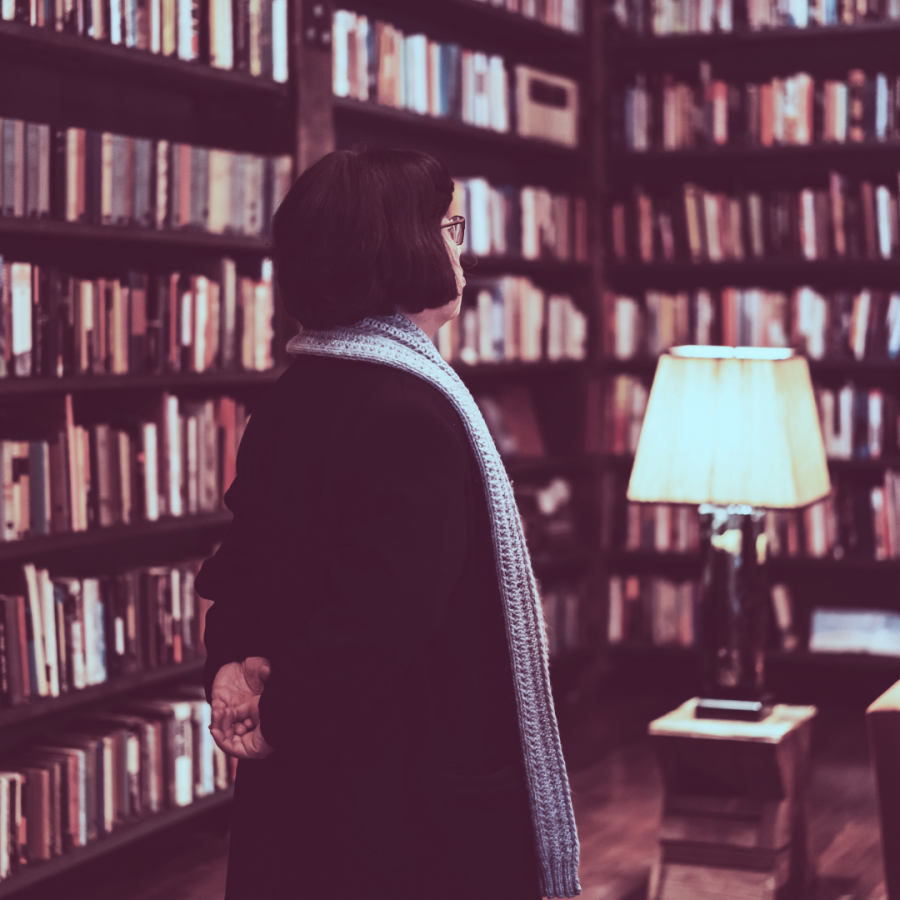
[
  {"x": 874, "y": 632},
  {"x": 796, "y": 109},
  {"x": 651, "y": 610},
  {"x": 139, "y": 323},
  {"x": 508, "y": 318}
]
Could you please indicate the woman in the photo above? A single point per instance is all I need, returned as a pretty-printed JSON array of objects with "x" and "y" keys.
[{"x": 375, "y": 650}]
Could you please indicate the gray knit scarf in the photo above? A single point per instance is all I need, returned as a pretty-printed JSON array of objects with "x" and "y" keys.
[{"x": 396, "y": 341}]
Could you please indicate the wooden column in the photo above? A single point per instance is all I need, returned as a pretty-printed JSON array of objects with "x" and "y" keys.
[
  {"x": 311, "y": 79},
  {"x": 734, "y": 818}
]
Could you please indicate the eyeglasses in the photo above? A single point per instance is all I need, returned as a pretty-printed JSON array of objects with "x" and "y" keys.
[{"x": 457, "y": 226}]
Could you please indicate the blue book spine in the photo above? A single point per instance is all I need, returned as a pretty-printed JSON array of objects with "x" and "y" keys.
[
  {"x": 8, "y": 163},
  {"x": 452, "y": 73}
]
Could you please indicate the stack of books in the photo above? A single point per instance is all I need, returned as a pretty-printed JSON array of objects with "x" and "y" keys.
[
  {"x": 563, "y": 14},
  {"x": 105, "y": 772},
  {"x": 248, "y": 35},
  {"x": 100, "y": 475},
  {"x": 527, "y": 222},
  {"x": 376, "y": 61},
  {"x": 510, "y": 319},
  {"x": 838, "y": 325},
  {"x": 67, "y": 634},
  {"x": 59, "y": 324},
  {"x": 663, "y": 113},
  {"x": 704, "y": 16},
  {"x": 624, "y": 405},
  {"x": 662, "y": 528},
  {"x": 857, "y": 521},
  {"x": 113, "y": 179},
  {"x": 848, "y": 219},
  {"x": 858, "y": 423},
  {"x": 563, "y": 607},
  {"x": 650, "y": 610}
]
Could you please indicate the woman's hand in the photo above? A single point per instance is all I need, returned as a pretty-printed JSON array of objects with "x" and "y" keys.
[{"x": 235, "y": 708}]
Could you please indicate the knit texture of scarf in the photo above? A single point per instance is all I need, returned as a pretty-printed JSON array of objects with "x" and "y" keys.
[{"x": 396, "y": 341}]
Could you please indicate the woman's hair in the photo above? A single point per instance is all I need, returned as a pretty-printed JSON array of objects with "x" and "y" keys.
[{"x": 359, "y": 235}]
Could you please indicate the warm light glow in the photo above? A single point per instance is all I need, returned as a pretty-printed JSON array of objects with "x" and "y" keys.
[
  {"x": 707, "y": 351},
  {"x": 728, "y": 425}
]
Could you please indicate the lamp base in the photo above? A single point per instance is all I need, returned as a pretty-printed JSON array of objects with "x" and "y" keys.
[{"x": 741, "y": 710}]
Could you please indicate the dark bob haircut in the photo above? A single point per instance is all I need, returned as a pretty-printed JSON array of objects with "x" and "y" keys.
[{"x": 359, "y": 235}]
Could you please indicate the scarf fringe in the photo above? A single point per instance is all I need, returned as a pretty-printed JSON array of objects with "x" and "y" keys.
[{"x": 396, "y": 341}]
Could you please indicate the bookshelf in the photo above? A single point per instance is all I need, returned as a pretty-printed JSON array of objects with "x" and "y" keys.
[
  {"x": 138, "y": 830},
  {"x": 72, "y": 81},
  {"x": 504, "y": 158},
  {"x": 842, "y": 578}
]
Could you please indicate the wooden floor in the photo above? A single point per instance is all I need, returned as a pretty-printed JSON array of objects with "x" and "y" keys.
[{"x": 617, "y": 798}]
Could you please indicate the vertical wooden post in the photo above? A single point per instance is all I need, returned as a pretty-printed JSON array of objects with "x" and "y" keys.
[{"x": 311, "y": 79}]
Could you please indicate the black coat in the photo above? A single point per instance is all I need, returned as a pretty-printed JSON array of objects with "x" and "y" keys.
[{"x": 360, "y": 563}]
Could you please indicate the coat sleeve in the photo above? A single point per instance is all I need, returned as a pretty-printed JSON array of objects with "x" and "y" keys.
[
  {"x": 399, "y": 550},
  {"x": 232, "y": 629}
]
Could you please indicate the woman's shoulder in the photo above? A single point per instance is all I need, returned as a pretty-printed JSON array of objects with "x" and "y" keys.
[{"x": 365, "y": 389}]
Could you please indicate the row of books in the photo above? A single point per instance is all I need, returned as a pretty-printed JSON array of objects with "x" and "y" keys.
[
  {"x": 376, "y": 61},
  {"x": 662, "y": 527},
  {"x": 661, "y": 113},
  {"x": 838, "y": 325},
  {"x": 563, "y": 14},
  {"x": 66, "y": 634},
  {"x": 98, "y": 475},
  {"x": 56, "y": 324},
  {"x": 97, "y": 177},
  {"x": 664, "y": 17},
  {"x": 563, "y": 607},
  {"x": 848, "y": 219},
  {"x": 510, "y": 318},
  {"x": 105, "y": 772},
  {"x": 856, "y": 521},
  {"x": 247, "y": 35},
  {"x": 649, "y": 610},
  {"x": 624, "y": 403},
  {"x": 528, "y": 222},
  {"x": 856, "y": 424}
]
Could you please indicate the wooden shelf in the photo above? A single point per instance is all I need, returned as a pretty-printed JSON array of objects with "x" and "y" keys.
[
  {"x": 481, "y": 26},
  {"x": 562, "y": 564},
  {"x": 868, "y": 369},
  {"x": 170, "y": 381},
  {"x": 54, "y": 231},
  {"x": 756, "y": 163},
  {"x": 118, "y": 688},
  {"x": 687, "y": 565},
  {"x": 73, "y": 53},
  {"x": 837, "y": 466},
  {"x": 524, "y": 467},
  {"x": 44, "y": 547},
  {"x": 502, "y": 369},
  {"x": 828, "y": 275},
  {"x": 36, "y": 873},
  {"x": 798, "y": 658},
  {"x": 629, "y": 51},
  {"x": 546, "y": 269},
  {"x": 377, "y": 117}
]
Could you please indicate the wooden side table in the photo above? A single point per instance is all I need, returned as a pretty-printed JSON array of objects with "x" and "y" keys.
[{"x": 734, "y": 821}]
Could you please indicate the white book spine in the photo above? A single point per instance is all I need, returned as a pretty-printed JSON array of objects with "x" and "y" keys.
[{"x": 280, "y": 67}]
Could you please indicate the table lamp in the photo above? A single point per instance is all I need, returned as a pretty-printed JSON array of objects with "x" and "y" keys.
[{"x": 735, "y": 431}]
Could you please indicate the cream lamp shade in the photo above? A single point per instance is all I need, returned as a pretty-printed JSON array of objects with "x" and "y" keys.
[{"x": 730, "y": 425}]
